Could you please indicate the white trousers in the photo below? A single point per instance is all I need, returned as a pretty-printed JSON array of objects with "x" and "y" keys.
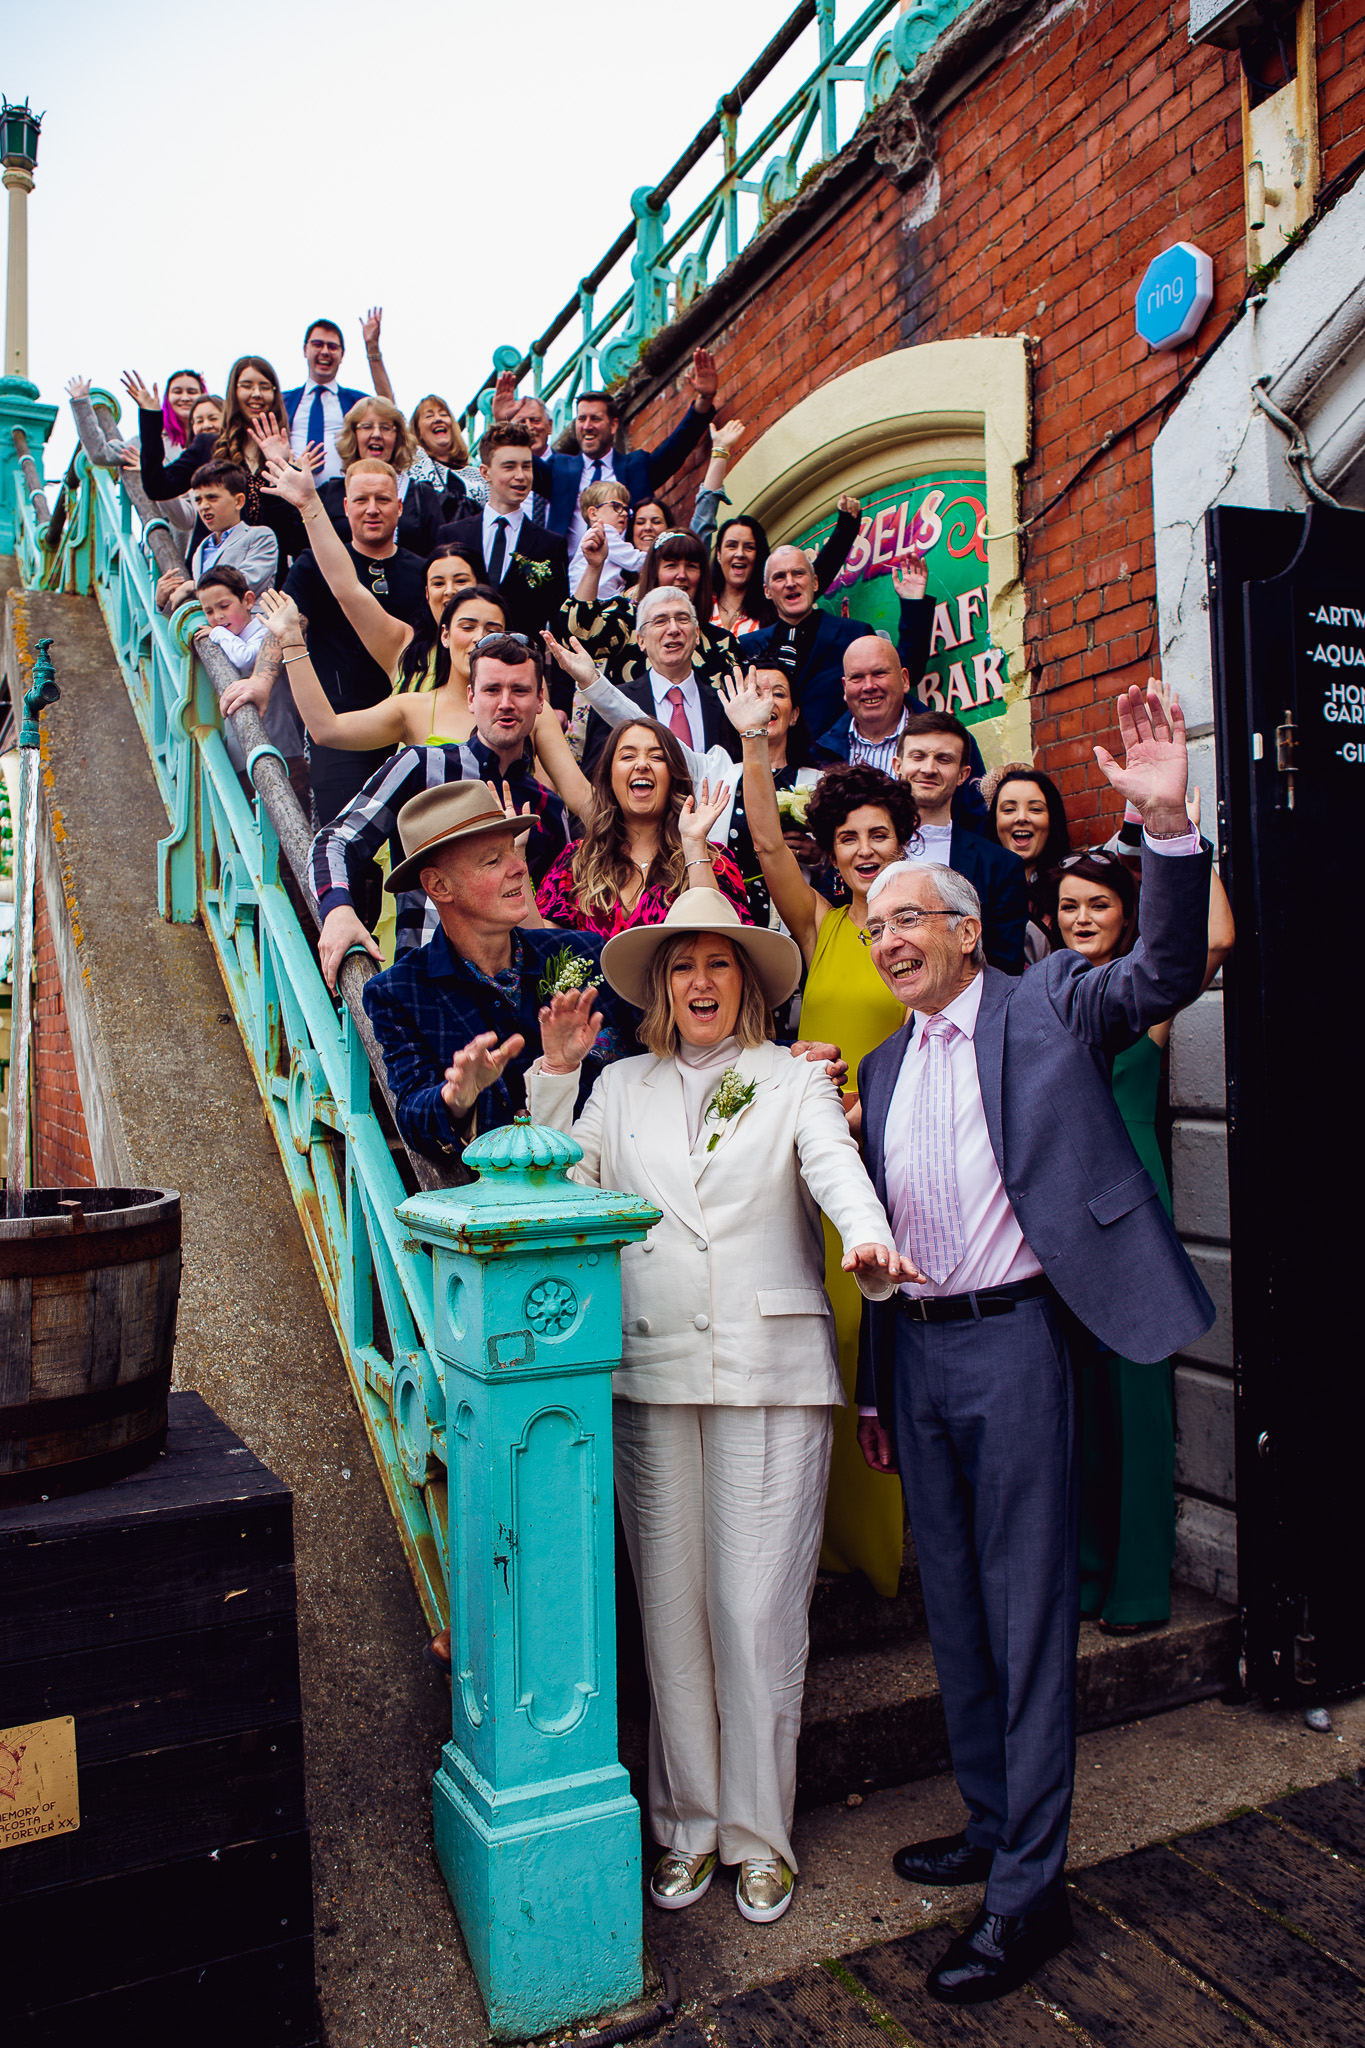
[{"x": 723, "y": 1510}]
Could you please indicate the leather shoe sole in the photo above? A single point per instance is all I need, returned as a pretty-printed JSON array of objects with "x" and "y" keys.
[
  {"x": 966, "y": 1975},
  {"x": 948, "y": 1860}
]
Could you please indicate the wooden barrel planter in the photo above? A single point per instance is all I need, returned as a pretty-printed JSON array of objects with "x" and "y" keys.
[{"x": 89, "y": 1286}]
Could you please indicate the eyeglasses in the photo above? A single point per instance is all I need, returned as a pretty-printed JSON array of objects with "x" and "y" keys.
[
  {"x": 489, "y": 638},
  {"x": 900, "y": 925}
]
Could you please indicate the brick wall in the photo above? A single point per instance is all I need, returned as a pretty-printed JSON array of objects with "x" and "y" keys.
[
  {"x": 61, "y": 1148},
  {"x": 1064, "y": 169}
]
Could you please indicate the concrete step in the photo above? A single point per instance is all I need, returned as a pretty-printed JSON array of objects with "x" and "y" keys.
[
  {"x": 874, "y": 1716},
  {"x": 846, "y": 1615}
]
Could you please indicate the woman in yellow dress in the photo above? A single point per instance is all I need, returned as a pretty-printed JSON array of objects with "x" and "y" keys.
[{"x": 861, "y": 819}]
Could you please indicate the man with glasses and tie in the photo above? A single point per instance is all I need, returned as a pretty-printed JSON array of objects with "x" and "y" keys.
[
  {"x": 318, "y": 408},
  {"x": 994, "y": 1142},
  {"x": 527, "y": 565}
]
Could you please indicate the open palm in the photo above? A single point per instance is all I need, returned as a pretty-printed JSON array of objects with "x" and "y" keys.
[{"x": 1154, "y": 774}]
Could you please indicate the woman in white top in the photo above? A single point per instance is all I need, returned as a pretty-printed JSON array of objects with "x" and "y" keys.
[{"x": 728, "y": 1367}]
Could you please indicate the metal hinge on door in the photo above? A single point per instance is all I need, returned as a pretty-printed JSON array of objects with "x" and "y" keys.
[{"x": 1286, "y": 747}]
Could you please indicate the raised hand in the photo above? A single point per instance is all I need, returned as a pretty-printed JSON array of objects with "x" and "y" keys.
[
  {"x": 568, "y": 1030},
  {"x": 281, "y": 614},
  {"x": 1155, "y": 772},
  {"x": 143, "y": 399},
  {"x": 579, "y": 665},
  {"x": 704, "y": 378},
  {"x": 369, "y": 327},
  {"x": 595, "y": 546},
  {"x": 294, "y": 483},
  {"x": 477, "y": 1067},
  {"x": 853, "y": 506},
  {"x": 747, "y": 700},
  {"x": 269, "y": 437},
  {"x": 700, "y": 813},
  {"x": 727, "y": 438},
  {"x": 78, "y": 386},
  {"x": 504, "y": 396},
  {"x": 912, "y": 579}
]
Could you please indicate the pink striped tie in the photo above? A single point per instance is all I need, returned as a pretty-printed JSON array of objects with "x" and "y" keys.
[
  {"x": 936, "y": 1238},
  {"x": 678, "y": 723}
]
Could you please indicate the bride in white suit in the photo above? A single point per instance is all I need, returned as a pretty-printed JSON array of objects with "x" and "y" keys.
[{"x": 728, "y": 1364}]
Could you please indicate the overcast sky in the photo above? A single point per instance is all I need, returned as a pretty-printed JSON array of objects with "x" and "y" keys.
[{"x": 210, "y": 180}]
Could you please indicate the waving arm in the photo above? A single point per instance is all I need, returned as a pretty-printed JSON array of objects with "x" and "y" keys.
[{"x": 383, "y": 638}]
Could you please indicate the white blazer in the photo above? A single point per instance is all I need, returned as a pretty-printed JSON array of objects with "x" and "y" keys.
[{"x": 724, "y": 1302}]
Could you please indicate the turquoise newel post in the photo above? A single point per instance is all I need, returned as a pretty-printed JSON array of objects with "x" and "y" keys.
[
  {"x": 19, "y": 407},
  {"x": 536, "y": 1830}
]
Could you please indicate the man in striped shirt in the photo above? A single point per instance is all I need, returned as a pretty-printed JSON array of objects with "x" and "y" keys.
[{"x": 876, "y": 687}]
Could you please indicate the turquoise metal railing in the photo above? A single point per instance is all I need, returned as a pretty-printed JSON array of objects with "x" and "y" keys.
[
  {"x": 668, "y": 271},
  {"x": 314, "y": 1061}
]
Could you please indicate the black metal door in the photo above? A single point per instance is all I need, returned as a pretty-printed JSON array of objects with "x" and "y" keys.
[{"x": 1287, "y": 600}]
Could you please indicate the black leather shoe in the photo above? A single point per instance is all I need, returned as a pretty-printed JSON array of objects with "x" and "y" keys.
[
  {"x": 998, "y": 1952},
  {"x": 948, "y": 1859}
]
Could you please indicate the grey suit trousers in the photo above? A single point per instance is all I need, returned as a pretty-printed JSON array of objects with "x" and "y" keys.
[{"x": 986, "y": 1436}]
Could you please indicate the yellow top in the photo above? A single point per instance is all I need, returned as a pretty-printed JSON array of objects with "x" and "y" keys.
[{"x": 846, "y": 1001}]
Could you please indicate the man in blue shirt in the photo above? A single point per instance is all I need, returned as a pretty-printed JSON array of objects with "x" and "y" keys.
[{"x": 458, "y": 1019}]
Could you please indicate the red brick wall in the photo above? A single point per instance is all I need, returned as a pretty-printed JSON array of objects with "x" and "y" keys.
[
  {"x": 61, "y": 1148},
  {"x": 1063, "y": 171}
]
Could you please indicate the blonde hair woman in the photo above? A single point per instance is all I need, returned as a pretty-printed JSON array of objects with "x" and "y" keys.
[
  {"x": 376, "y": 431},
  {"x": 728, "y": 1364}
]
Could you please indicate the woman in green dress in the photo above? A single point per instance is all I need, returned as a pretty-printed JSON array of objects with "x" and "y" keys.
[
  {"x": 861, "y": 820},
  {"x": 1127, "y": 1415}
]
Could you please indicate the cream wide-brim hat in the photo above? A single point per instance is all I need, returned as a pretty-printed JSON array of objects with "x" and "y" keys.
[
  {"x": 446, "y": 816},
  {"x": 775, "y": 958}
]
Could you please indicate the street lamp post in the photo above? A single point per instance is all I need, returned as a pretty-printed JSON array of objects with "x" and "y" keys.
[{"x": 19, "y": 131}]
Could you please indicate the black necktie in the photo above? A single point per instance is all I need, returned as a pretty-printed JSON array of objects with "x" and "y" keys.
[
  {"x": 499, "y": 555},
  {"x": 597, "y": 472}
]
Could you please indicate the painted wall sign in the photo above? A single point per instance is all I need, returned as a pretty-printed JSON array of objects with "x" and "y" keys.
[
  {"x": 1329, "y": 636},
  {"x": 1175, "y": 294},
  {"x": 945, "y": 517}
]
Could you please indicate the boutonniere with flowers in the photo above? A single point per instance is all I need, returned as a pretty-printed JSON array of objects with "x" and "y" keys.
[
  {"x": 794, "y": 804},
  {"x": 533, "y": 573},
  {"x": 730, "y": 1098},
  {"x": 566, "y": 973}
]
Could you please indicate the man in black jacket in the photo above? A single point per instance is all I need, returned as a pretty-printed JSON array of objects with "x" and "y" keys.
[
  {"x": 525, "y": 564},
  {"x": 934, "y": 757}
]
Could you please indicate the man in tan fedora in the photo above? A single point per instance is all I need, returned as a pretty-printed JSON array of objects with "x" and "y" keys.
[{"x": 458, "y": 1018}]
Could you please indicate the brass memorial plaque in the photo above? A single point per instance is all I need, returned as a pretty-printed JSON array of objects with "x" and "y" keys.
[{"x": 39, "y": 1795}]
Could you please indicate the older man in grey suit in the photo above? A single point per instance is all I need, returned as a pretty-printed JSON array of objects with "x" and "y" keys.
[{"x": 994, "y": 1143}]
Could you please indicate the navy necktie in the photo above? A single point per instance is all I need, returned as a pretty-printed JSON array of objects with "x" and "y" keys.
[
  {"x": 597, "y": 472},
  {"x": 499, "y": 554},
  {"x": 317, "y": 430}
]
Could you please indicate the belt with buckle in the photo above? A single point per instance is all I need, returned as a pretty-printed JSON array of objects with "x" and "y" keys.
[{"x": 956, "y": 1308}]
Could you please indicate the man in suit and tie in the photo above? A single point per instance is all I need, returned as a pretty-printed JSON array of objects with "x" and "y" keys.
[
  {"x": 670, "y": 689},
  {"x": 535, "y": 414},
  {"x": 316, "y": 409},
  {"x": 805, "y": 640},
  {"x": 993, "y": 1138},
  {"x": 563, "y": 478},
  {"x": 525, "y": 564}
]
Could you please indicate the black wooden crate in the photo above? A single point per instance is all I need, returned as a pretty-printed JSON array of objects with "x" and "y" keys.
[{"x": 159, "y": 1613}]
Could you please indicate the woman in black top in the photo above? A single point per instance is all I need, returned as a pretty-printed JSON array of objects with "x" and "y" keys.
[{"x": 253, "y": 394}]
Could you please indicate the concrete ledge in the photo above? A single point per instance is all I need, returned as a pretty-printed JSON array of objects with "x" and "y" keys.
[
  {"x": 876, "y": 1718},
  {"x": 1198, "y": 1074}
]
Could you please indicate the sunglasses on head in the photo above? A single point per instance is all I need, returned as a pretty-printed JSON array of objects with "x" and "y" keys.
[
  {"x": 489, "y": 638},
  {"x": 1099, "y": 853}
]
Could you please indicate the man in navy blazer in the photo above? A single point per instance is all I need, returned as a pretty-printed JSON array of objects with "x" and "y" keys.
[
  {"x": 562, "y": 478},
  {"x": 1017, "y": 1202},
  {"x": 327, "y": 401},
  {"x": 934, "y": 755}
]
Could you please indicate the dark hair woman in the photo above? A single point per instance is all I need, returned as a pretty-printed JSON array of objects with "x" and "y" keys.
[
  {"x": 679, "y": 559},
  {"x": 740, "y": 604},
  {"x": 645, "y": 840},
  {"x": 253, "y": 397},
  {"x": 862, "y": 820},
  {"x": 1026, "y": 814},
  {"x": 1126, "y": 1414},
  {"x": 648, "y": 521}
]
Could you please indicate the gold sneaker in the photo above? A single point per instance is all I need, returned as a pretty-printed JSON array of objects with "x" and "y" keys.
[
  {"x": 680, "y": 1881},
  {"x": 763, "y": 1890}
]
